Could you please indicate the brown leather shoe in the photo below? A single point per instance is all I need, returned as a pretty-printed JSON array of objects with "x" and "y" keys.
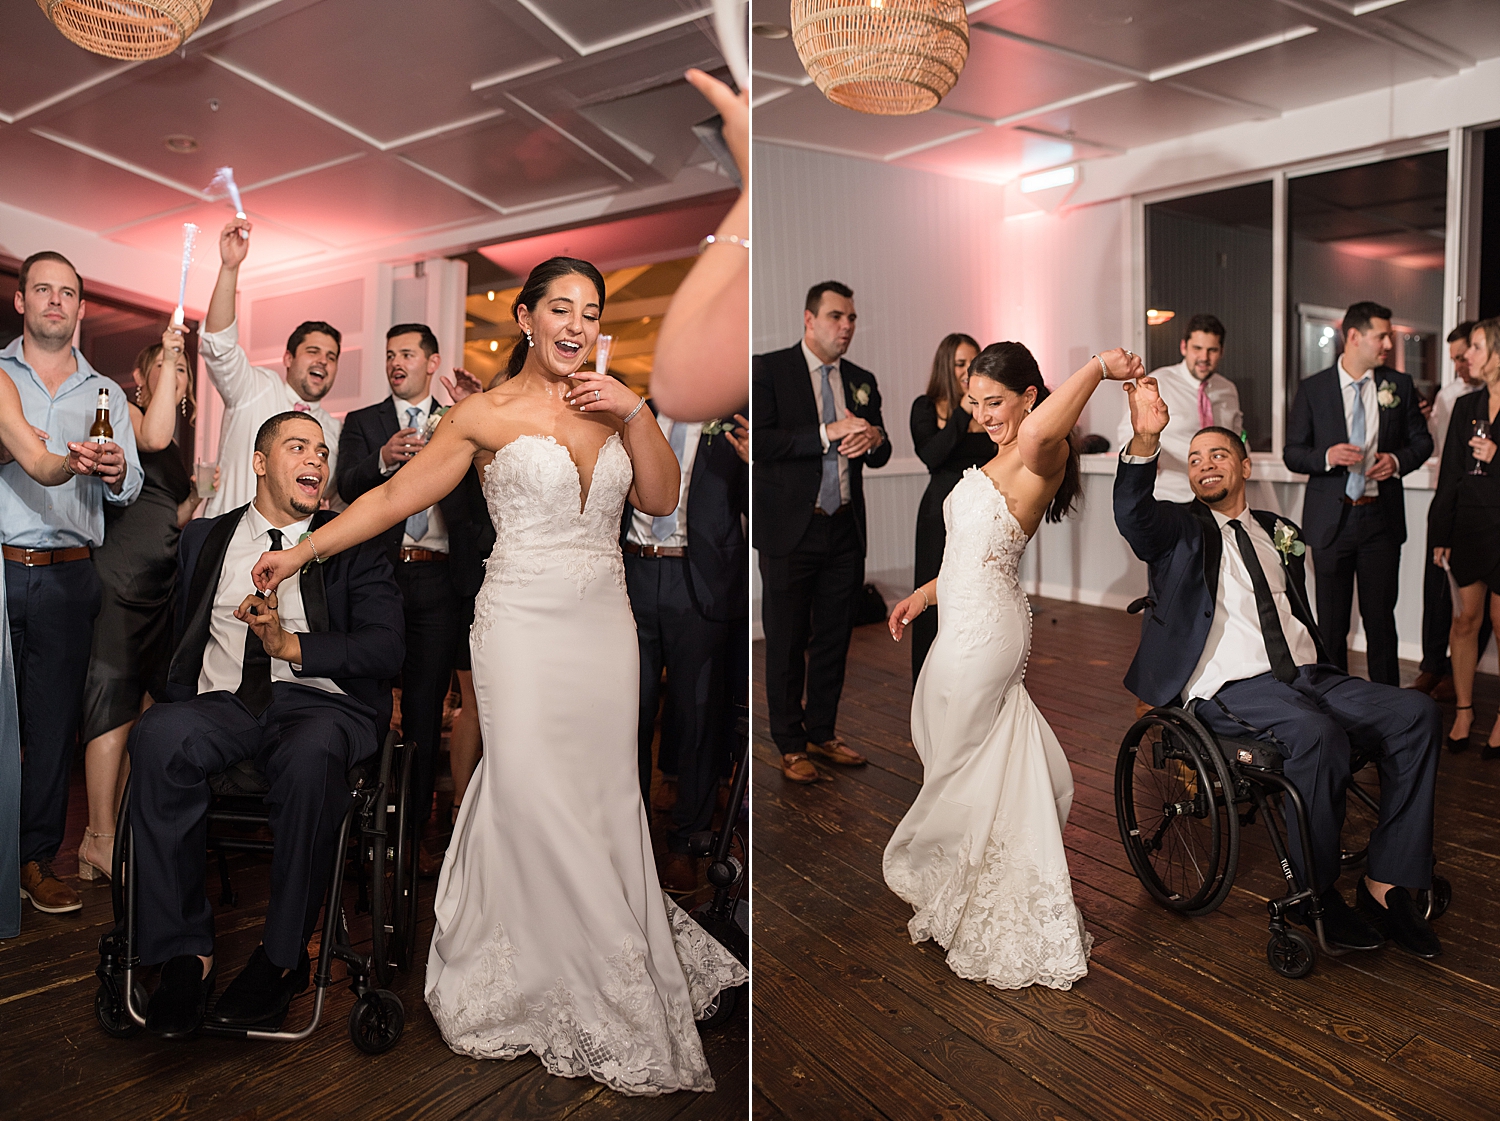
[
  {"x": 1443, "y": 691},
  {"x": 837, "y": 751},
  {"x": 46, "y": 892},
  {"x": 679, "y": 873},
  {"x": 797, "y": 767},
  {"x": 1426, "y": 682}
]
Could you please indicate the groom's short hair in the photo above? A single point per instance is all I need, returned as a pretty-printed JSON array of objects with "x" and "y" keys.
[{"x": 1235, "y": 440}]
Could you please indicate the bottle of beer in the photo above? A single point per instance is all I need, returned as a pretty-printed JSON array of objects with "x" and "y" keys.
[{"x": 101, "y": 432}]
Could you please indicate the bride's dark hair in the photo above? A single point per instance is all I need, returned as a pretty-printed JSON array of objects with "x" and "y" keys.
[
  {"x": 1011, "y": 365},
  {"x": 535, "y": 291}
]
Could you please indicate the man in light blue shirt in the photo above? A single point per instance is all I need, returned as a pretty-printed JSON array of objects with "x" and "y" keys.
[{"x": 48, "y": 534}]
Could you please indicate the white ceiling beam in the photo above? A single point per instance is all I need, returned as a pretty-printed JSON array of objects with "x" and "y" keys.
[
  {"x": 292, "y": 99},
  {"x": 1237, "y": 51},
  {"x": 535, "y": 7},
  {"x": 926, "y": 144},
  {"x": 1442, "y": 61},
  {"x": 513, "y": 73}
]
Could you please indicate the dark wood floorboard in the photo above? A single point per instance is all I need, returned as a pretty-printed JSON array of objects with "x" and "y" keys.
[
  {"x": 56, "y": 1063},
  {"x": 1177, "y": 1018}
]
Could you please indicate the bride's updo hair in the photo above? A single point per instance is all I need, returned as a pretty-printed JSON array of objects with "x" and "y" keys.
[
  {"x": 1012, "y": 365},
  {"x": 535, "y": 291}
]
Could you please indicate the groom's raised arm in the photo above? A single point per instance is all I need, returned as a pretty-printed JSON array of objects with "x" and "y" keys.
[{"x": 1148, "y": 526}]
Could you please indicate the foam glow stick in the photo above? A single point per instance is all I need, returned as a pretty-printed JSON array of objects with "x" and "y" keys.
[
  {"x": 189, "y": 238},
  {"x": 224, "y": 179}
]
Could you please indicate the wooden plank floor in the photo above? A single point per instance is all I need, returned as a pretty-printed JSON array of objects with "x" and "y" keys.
[
  {"x": 55, "y": 1061},
  {"x": 1177, "y": 1018}
]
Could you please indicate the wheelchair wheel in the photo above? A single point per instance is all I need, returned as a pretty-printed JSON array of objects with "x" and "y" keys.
[
  {"x": 1174, "y": 806},
  {"x": 1434, "y": 903},
  {"x": 403, "y": 856},
  {"x": 721, "y": 1008},
  {"x": 1291, "y": 954},
  {"x": 109, "y": 1009},
  {"x": 376, "y": 1021},
  {"x": 377, "y": 851}
]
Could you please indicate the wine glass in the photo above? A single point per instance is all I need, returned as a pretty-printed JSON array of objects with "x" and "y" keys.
[{"x": 1481, "y": 428}]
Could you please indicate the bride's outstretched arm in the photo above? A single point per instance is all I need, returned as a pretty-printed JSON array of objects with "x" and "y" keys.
[
  {"x": 23, "y": 444},
  {"x": 426, "y": 479},
  {"x": 1043, "y": 438}
]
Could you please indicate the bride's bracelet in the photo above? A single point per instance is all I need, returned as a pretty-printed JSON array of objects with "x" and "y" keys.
[
  {"x": 926, "y": 603},
  {"x": 639, "y": 405},
  {"x": 1103, "y": 369}
]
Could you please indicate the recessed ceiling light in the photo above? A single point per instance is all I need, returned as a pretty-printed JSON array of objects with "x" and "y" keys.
[
  {"x": 494, "y": 345},
  {"x": 770, "y": 30},
  {"x": 490, "y": 295},
  {"x": 180, "y": 144}
]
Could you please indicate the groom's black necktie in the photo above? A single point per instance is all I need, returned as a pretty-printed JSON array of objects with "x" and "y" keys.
[
  {"x": 255, "y": 675},
  {"x": 1282, "y": 663}
]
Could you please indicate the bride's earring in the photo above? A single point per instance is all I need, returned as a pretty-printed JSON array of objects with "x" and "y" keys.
[{"x": 528, "y": 337}]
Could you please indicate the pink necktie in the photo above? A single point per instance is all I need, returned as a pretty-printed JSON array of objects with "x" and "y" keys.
[
  {"x": 1205, "y": 410},
  {"x": 301, "y": 408}
]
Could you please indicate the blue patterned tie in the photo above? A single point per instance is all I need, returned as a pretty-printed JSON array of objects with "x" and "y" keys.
[
  {"x": 828, "y": 492},
  {"x": 666, "y": 525},
  {"x": 416, "y": 525},
  {"x": 1354, "y": 487}
]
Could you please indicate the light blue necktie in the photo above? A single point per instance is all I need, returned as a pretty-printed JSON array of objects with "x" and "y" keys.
[
  {"x": 416, "y": 525},
  {"x": 828, "y": 492},
  {"x": 666, "y": 525},
  {"x": 1355, "y": 486}
]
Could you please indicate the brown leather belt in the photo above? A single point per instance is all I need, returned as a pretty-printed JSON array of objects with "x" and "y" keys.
[
  {"x": 654, "y": 550},
  {"x": 409, "y": 554},
  {"x": 40, "y": 558},
  {"x": 1369, "y": 500}
]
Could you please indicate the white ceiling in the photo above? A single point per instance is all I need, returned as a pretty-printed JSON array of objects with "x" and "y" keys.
[
  {"x": 357, "y": 123},
  {"x": 1049, "y": 82}
]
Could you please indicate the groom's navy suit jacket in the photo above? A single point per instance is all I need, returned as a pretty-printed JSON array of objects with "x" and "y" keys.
[
  {"x": 1182, "y": 546},
  {"x": 357, "y": 629}
]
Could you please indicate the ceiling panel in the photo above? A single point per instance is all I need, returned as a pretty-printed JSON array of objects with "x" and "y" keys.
[
  {"x": 1003, "y": 77},
  {"x": 39, "y": 62},
  {"x": 630, "y": 241},
  {"x": 1469, "y": 26},
  {"x": 805, "y": 116},
  {"x": 1143, "y": 115},
  {"x": 270, "y": 243},
  {"x": 657, "y": 124},
  {"x": 590, "y": 25},
  {"x": 46, "y": 178}
]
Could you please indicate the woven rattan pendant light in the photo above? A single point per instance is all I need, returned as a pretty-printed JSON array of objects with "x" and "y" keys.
[
  {"x": 129, "y": 29},
  {"x": 889, "y": 57}
]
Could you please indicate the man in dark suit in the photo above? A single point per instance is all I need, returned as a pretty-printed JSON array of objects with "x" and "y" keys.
[
  {"x": 686, "y": 573},
  {"x": 296, "y": 681},
  {"x": 817, "y": 425},
  {"x": 438, "y": 554},
  {"x": 1228, "y": 633},
  {"x": 1354, "y": 430}
]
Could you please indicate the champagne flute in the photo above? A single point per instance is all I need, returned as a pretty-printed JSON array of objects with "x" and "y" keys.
[{"x": 1481, "y": 429}]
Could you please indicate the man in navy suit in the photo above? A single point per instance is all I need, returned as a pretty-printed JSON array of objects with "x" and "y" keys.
[
  {"x": 687, "y": 575},
  {"x": 817, "y": 425},
  {"x": 296, "y": 681},
  {"x": 1228, "y": 633},
  {"x": 1354, "y": 430}
]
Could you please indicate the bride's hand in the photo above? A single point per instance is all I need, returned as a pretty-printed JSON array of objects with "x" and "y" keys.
[
  {"x": 905, "y": 611},
  {"x": 594, "y": 392},
  {"x": 273, "y": 568},
  {"x": 1122, "y": 365}
]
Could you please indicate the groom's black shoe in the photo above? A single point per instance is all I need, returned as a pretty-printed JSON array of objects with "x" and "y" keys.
[
  {"x": 175, "y": 1010},
  {"x": 1342, "y": 924},
  {"x": 259, "y": 996},
  {"x": 1400, "y": 920}
]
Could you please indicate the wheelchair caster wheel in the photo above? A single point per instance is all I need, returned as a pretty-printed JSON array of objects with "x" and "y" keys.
[
  {"x": 109, "y": 1010},
  {"x": 721, "y": 1007},
  {"x": 1435, "y": 901},
  {"x": 1291, "y": 954},
  {"x": 376, "y": 1021}
]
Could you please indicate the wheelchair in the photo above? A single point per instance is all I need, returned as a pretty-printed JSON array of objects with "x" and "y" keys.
[
  {"x": 1181, "y": 798},
  {"x": 377, "y": 839}
]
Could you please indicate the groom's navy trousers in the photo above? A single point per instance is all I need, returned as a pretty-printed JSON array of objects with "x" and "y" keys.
[{"x": 1313, "y": 718}]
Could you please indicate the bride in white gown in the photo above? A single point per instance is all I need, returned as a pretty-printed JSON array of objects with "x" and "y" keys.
[
  {"x": 553, "y": 935},
  {"x": 979, "y": 855}
]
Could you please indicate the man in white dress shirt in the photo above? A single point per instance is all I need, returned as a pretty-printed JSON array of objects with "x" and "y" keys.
[
  {"x": 1198, "y": 396},
  {"x": 254, "y": 394}
]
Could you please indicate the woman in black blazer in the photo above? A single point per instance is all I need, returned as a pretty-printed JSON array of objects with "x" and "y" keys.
[
  {"x": 1464, "y": 526},
  {"x": 949, "y": 442}
]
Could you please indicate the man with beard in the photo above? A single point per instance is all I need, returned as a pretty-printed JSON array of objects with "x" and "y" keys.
[
  {"x": 254, "y": 394},
  {"x": 49, "y": 534},
  {"x": 1228, "y": 633}
]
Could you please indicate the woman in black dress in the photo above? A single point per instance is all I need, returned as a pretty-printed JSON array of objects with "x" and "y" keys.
[
  {"x": 949, "y": 442},
  {"x": 137, "y": 565},
  {"x": 1464, "y": 525}
]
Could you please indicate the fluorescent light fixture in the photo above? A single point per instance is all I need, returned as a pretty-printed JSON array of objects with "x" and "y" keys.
[
  {"x": 1225, "y": 55},
  {"x": 1045, "y": 180}
]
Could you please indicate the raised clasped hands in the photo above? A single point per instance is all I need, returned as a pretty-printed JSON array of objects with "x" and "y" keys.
[
  {"x": 594, "y": 392},
  {"x": 259, "y": 613},
  {"x": 904, "y": 612},
  {"x": 1148, "y": 412},
  {"x": 854, "y": 435},
  {"x": 1122, "y": 365}
]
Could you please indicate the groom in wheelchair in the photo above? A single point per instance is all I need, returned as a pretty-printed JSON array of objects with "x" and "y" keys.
[
  {"x": 295, "y": 681},
  {"x": 1228, "y": 635}
]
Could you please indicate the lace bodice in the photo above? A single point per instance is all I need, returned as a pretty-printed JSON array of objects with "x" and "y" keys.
[
  {"x": 533, "y": 491},
  {"x": 979, "y": 584}
]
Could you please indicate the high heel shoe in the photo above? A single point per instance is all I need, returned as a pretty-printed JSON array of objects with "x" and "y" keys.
[
  {"x": 87, "y": 870},
  {"x": 1457, "y": 745}
]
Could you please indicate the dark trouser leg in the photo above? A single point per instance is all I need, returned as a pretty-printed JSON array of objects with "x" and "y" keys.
[
  {"x": 51, "y": 611},
  {"x": 1335, "y": 566},
  {"x": 786, "y": 618},
  {"x": 1437, "y": 618},
  {"x": 641, "y": 579},
  {"x": 931, "y": 539},
  {"x": 434, "y": 628},
  {"x": 1315, "y": 748},
  {"x": 1378, "y": 571},
  {"x": 839, "y": 582},
  {"x": 311, "y": 740},
  {"x": 173, "y": 750}
]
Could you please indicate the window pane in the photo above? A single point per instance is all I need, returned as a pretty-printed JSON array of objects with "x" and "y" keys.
[{"x": 1212, "y": 253}]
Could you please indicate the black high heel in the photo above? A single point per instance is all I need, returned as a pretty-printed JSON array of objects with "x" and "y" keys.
[{"x": 1457, "y": 745}]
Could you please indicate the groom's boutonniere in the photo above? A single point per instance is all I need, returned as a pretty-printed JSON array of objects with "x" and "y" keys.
[
  {"x": 1387, "y": 396},
  {"x": 432, "y": 421},
  {"x": 713, "y": 427},
  {"x": 1286, "y": 542},
  {"x": 861, "y": 394}
]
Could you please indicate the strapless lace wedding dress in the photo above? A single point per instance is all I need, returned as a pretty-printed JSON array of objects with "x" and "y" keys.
[
  {"x": 553, "y": 935},
  {"x": 980, "y": 854}
]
